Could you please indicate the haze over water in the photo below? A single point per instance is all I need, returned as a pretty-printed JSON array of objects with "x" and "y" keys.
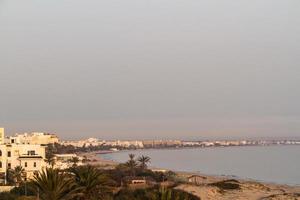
[{"x": 277, "y": 164}]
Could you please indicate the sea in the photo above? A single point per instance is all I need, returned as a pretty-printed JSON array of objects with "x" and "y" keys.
[{"x": 273, "y": 164}]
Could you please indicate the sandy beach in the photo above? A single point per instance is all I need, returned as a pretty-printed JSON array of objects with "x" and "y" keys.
[
  {"x": 94, "y": 159},
  {"x": 248, "y": 189},
  {"x": 252, "y": 190}
]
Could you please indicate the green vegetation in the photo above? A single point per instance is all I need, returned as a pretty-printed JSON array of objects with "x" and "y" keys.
[
  {"x": 132, "y": 164},
  {"x": 155, "y": 193},
  {"x": 144, "y": 160},
  {"x": 91, "y": 183},
  {"x": 15, "y": 176},
  {"x": 75, "y": 161},
  {"x": 50, "y": 155},
  {"x": 55, "y": 185},
  {"x": 61, "y": 149},
  {"x": 230, "y": 184}
]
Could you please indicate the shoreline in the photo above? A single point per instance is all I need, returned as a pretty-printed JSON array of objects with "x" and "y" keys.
[
  {"x": 250, "y": 189},
  {"x": 95, "y": 159},
  {"x": 99, "y": 160}
]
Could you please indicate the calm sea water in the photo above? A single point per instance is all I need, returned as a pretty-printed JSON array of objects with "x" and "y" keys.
[{"x": 278, "y": 164}]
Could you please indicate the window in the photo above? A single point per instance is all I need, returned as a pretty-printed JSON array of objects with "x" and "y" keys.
[
  {"x": 0, "y": 164},
  {"x": 31, "y": 153},
  {"x": 8, "y": 154},
  {"x": 12, "y": 141},
  {"x": 25, "y": 164},
  {"x": 34, "y": 164},
  {"x": 0, "y": 153},
  {"x": 9, "y": 165}
]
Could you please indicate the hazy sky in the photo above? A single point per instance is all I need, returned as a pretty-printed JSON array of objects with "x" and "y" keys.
[{"x": 150, "y": 68}]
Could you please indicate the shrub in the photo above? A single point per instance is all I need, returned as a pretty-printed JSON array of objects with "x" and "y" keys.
[
  {"x": 227, "y": 185},
  {"x": 8, "y": 196}
]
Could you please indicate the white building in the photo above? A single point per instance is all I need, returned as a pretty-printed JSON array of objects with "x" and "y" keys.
[
  {"x": 1, "y": 135},
  {"x": 30, "y": 157},
  {"x": 84, "y": 143},
  {"x": 125, "y": 143},
  {"x": 12, "y": 154},
  {"x": 33, "y": 138}
]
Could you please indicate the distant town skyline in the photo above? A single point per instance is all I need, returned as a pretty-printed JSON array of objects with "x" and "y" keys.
[{"x": 150, "y": 69}]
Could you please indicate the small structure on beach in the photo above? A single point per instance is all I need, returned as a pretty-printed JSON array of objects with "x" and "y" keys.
[
  {"x": 198, "y": 180},
  {"x": 137, "y": 180}
]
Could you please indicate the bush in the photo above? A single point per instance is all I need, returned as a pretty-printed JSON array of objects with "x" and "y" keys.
[
  {"x": 26, "y": 198},
  {"x": 8, "y": 196},
  {"x": 21, "y": 190},
  {"x": 155, "y": 193},
  {"x": 227, "y": 185}
]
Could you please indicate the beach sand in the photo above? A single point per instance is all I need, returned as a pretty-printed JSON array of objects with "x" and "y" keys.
[
  {"x": 252, "y": 190},
  {"x": 96, "y": 160},
  {"x": 249, "y": 190}
]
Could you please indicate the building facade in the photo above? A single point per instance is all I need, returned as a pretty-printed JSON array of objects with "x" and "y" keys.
[
  {"x": 30, "y": 157},
  {"x": 1, "y": 135}
]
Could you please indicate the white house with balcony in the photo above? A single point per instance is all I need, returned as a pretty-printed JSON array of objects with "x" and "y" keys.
[{"x": 30, "y": 157}]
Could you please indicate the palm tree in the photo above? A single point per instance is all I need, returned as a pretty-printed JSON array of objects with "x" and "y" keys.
[
  {"x": 54, "y": 185},
  {"x": 144, "y": 160},
  {"x": 131, "y": 156},
  {"x": 131, "y": 164},
  {"x": 50, "y": 159},
  {"x": 91, "y": 181},
  {"x": 74, "y": 160},
  {"x": 16, "y": 175},
  {"x": 165, "y": 194}
]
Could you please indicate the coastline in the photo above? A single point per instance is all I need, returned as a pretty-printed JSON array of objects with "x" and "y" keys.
[
  {"x": 270, "y": 164},
  {"x": 96, "y": 160},
  {"x": 250, "y": 189}
]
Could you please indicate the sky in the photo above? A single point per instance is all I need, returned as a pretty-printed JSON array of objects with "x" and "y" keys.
[{"x": 150, "y": 69}]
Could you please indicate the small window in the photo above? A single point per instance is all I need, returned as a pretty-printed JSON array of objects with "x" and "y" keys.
[
  {"x": 25, "y": 164},
  {"x": 31, "y": 153},
  {"x": 9, "y": 165},
  {"x": 12, "y": 141},
  {"x": 34, "y": 164},
  {"x": 0, "y": 153},
  {"x": 8, "y": 154},
  {"x": 0, "y": 164}
]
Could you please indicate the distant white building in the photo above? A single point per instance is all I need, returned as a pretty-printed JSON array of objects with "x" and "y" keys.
[
  {"x": 33, "y": 138},
  {"x": 125, "y": 143},
  {"x": 83, "y": 143}
]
